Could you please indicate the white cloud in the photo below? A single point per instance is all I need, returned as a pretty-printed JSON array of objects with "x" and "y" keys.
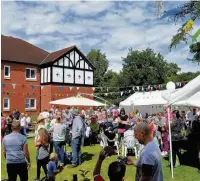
[
  {"x": 91, "y": 7},
  {"x": 111, "y": 26}
]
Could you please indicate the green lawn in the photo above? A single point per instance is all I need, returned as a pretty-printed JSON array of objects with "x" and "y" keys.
[{"x": 182, "y": 173}]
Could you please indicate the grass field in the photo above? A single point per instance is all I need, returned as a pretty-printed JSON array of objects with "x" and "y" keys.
[{"x": 90, "y": 154}]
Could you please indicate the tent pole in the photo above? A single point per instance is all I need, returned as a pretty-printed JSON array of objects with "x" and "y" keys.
[{"x": 170, "y": 142}]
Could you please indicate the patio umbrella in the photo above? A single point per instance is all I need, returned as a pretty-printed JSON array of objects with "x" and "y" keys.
[{"x": 77, "y": 101}]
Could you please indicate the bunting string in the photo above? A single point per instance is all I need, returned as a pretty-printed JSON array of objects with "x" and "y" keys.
[{"x": 103, "y": 89}]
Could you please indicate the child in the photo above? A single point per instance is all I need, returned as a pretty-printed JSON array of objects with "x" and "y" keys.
[{"x": 52, "y": 171}]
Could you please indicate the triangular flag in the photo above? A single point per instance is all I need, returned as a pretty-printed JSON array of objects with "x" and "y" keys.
[
  {"x": 122, "y": 93},
  {"x": 93, "y": 88},
  {"x": 60, "y": 88},
  {"x": 3, "y": 85},
  {"x": 13, "y": 85},
  {"x": 70, "y": 88},
  {"x": 194, "y": 37},
  {"x": 33, "y": 86}
]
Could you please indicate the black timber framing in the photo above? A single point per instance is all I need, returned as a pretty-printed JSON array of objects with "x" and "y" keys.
[{"x": 67, "y": 55}]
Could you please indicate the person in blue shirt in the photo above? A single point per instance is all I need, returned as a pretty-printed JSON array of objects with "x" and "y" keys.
[
  {"x": 15, "y": 150},
  {"x": 52, "y": 171}
]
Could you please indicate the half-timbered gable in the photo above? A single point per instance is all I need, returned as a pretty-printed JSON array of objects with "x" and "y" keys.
[{"x": 69, "y": 67}]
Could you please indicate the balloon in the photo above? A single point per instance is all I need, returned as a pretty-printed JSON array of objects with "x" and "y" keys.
[{"x": 171, "y": 86}]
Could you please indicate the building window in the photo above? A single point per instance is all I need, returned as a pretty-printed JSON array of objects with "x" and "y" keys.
[
  {"x": 6, "y": 72},
  {"x": 30, "y": 74},
  {"x": 6, "y": 104},
  {"x": 30, "y": 103}
]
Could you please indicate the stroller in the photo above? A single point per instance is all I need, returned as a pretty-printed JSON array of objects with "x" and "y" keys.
[{"x": 107, "y": 136}]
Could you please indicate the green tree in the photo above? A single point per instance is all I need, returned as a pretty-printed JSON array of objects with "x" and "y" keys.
[
  {"x": 110, "y": 79},
  {"x": 172, "y": 69},
  {"x": 99, "y": 60},
  {"x": 146, "y": 67},
  {"x": 195, "y": 49},
  {"x": 186, "y": 76}
]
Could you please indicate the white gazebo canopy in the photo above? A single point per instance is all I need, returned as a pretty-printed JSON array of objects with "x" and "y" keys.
[
  {"x": 146, "y": 102},
  {"x": 77, "y": 101},
  {"x": 193, "y": 101}
]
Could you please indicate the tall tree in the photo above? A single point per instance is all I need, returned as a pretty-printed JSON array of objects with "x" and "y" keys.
[
  {"x": 146, "y": 67},
  {"x": 99, "y": 60},
  {"x": 172, "y": 69}
]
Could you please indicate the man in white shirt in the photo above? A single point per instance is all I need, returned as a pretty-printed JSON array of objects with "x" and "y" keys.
[
  {"x": 28, "y": 119},
  {"x": 23, "y": 124}
]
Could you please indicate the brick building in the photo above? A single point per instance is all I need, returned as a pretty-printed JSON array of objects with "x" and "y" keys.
[{"x": 32, "y": 77}]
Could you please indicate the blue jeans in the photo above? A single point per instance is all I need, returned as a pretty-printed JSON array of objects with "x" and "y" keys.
[
  {"x": 59, "y": 149},
  {"x": 23, "y": 131},
  {"x": 76, "y": 151}
]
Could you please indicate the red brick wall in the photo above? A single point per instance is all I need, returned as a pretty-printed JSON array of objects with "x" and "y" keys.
[
  {"x": 53, "y": 92},
  {"x": 22, "y": 90}
]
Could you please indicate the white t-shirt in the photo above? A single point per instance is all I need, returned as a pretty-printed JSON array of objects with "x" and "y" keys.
[
  {"x": 23, "y": 122},
  {"x": 28, "y": 120}
]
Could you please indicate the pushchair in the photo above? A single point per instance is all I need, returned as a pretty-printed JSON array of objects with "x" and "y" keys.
[{"x": 107, "y": 136}]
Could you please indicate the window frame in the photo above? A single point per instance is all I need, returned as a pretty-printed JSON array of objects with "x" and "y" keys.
[
  {"x": 29, "y": 100},
  {"x": 6, "y": 76},
  {"x": 7, "y": 108},
  {"x": 33, "y": 79}
]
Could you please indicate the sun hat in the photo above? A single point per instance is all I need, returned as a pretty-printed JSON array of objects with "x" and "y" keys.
[{"x": 40, "y": 118}]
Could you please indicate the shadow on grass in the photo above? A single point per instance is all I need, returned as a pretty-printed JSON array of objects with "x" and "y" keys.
[
  {"x": 86, "y": 156},
  {"x": 187, "y": 158}
]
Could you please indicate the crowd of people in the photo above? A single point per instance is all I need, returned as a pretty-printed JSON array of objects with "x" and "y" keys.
[{"x": 57, "y": 127}]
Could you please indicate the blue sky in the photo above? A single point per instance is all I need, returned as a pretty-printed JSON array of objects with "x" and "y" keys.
[{"x": 113, "y": 27}]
